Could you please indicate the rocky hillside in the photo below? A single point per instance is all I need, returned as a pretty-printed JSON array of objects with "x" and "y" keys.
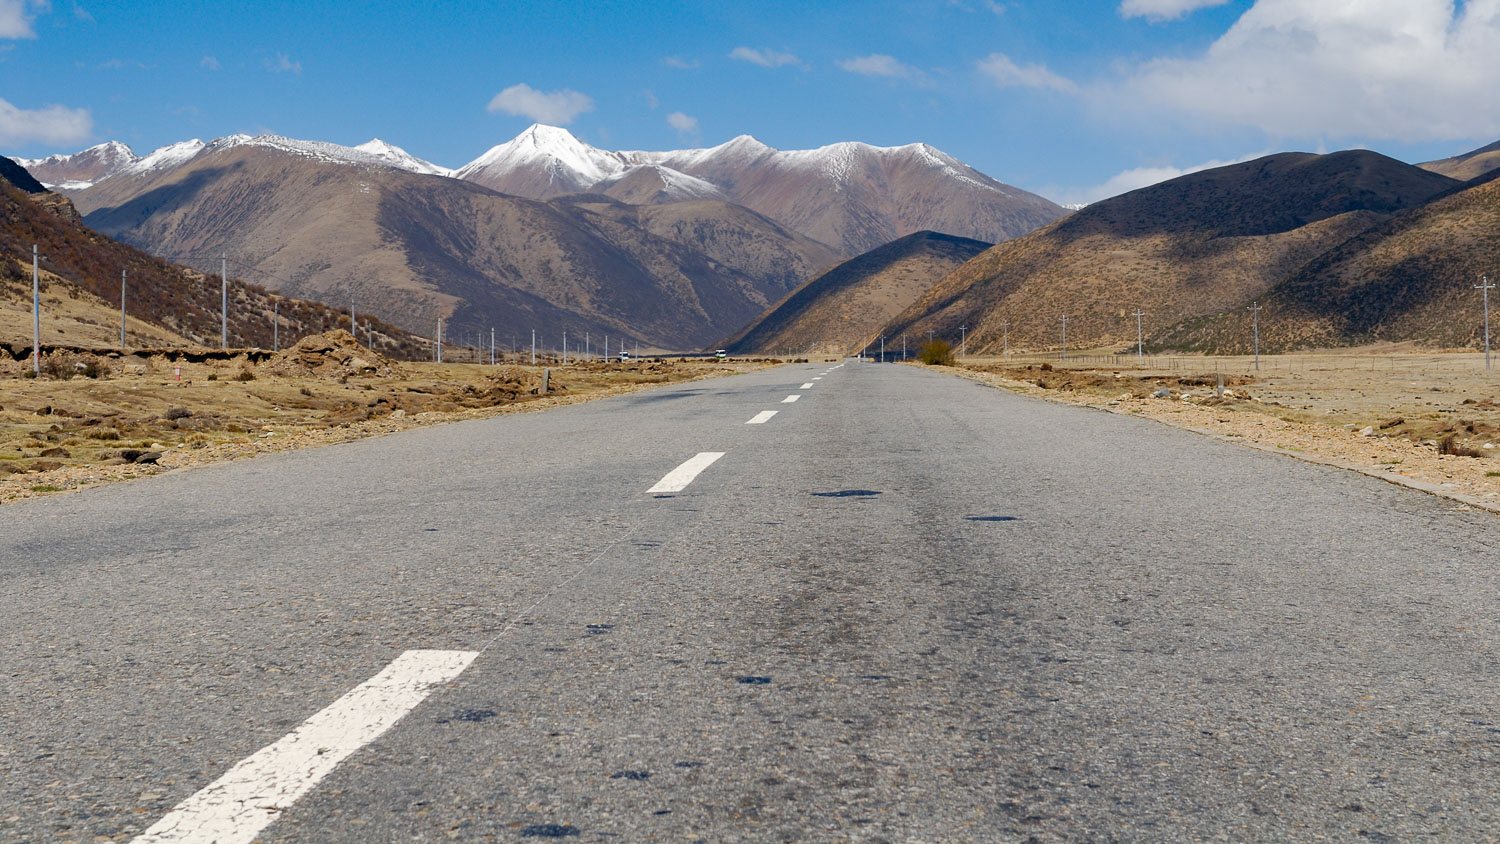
[
  {"x": 166, "y": 304},
  {"x": 1470, "y": 165},
  {"x": 841, "y": 310},
  {"x": 1410, "y": 277},
  {"x": 1198, "y": 245}
]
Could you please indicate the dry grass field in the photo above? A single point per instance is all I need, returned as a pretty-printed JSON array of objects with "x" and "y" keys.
[
  {"x": 94, "y": 419},
  {"x": 1425, "y": 419}
]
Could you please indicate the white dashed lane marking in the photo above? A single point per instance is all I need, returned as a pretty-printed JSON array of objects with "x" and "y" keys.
[
  {"x": 790, "y": 399},
  {"x": 761, "y": 418},
  {"x": 678, "y": 479},
  {"x": 807, "y": 386},
  {"x": 234, "y": 808}
]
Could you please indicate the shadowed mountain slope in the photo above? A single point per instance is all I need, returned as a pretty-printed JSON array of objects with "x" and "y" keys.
[
  {"x": 1409, "y": 278},
  {"x": 166, "y": 304},
  {"x": 838, "y": 311},
  {"x": 1192, "y": 246}
]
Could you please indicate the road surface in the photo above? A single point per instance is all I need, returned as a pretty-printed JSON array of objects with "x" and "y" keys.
[{"x": 901, "y": 607}]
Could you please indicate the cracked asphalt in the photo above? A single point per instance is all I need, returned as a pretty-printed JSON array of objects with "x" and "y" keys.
[{"x": 906, "y": 608}]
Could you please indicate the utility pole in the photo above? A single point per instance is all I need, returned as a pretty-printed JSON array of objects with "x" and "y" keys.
[
  {"x": 122, "y": 310},
  {"x": 353, "y": 323},
  {"x": 36, "y": 314},
  {"x": 275, "y": 325},
  {"x": 963, "y": 342},
  {"x": 903, "y": 347},
  {"x": 492, "y": 345},
  {"x": 224, "y": 300},
  {"x": 1005, "y": 340},
  {"x": 565, "y": 347},
  {"x": 1065, "y": 337},
  {"x": 533, "y": 347},
  {"x": 440, "y": 340},
  {"x": 1254, "y": 310},
  {"x": 882, "y": 348},
  {"x": 1139, "y": 346},
  {"x": 1485, "y": 287}
]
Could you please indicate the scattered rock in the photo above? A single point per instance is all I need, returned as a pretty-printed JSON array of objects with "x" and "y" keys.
[
  {"x": 1391, "y": 423},
  {"x": 56, "y": 451},
  {"x": 149, "y": 457},
  {"x": 45, "y": 465},
  {"x": 1367, "y": 431},
  {"x": 1163, "y": 393}
]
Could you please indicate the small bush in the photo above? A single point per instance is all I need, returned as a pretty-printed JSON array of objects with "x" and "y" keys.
[
  {"x": 936, "y": 353},
  {"x": 245, "y": 375},
  {"x": 213, "y": 376}
]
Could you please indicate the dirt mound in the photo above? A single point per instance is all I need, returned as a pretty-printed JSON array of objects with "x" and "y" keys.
[{"x": 333, "y": 354}]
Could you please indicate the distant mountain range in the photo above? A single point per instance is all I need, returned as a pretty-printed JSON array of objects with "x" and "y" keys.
[{"x": 671, "y": 249}]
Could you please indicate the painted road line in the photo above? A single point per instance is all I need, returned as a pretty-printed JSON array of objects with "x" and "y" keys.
[
  {"x": 790, "y": 399},
  {"x": 252, "y": 794},
  {"x": 807, "y": 386},
  {"x": 762, "y": 418},
  {"x": 818, "y": 378},
  {"x": 678, "y": 479}
]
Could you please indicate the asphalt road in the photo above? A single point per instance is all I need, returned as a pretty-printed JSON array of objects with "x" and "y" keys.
[{"x": 907, "y": 607}]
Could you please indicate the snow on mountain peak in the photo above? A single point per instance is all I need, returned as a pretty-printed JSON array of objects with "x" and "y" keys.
[
  {"x": 166, "y": 157},
  {"x": 567, "y": 163},
  {"x": 400, "y": 158}
]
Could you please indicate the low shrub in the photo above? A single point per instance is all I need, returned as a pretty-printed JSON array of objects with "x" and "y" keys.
[{"x": 936, "y": 353}]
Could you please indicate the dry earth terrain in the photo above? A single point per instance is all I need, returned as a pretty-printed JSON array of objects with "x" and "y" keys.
[
  {"x": 93, "y": 419},
  {"x": 1426, "y": 420}
]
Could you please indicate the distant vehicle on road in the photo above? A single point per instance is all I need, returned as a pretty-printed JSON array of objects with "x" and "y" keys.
[
  {"x": 721, "y": 353},
  {"x": 624, "y": 356}
]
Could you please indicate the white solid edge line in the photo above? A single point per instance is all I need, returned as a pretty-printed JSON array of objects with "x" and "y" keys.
[
  {"x": 762, "y": 418},
  {"x": 790, "y": 399},
  {"x": 678, "y": 479},
  {"x": 234, "y": 808}
]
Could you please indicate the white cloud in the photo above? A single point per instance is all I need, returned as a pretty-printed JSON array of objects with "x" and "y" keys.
[
  {"x": 16, "y": 17},
  {"x": 54, "y": 124},
  {"x": 209, "y": 63},
  {"x": 82, "y": 14},
  {"x": 683, "y": 123},
  {"x": 1007, "y": 74},
  {"x": 1135, "y": 179},
  {"x": 679, "y": 63},
  {"x": 556, "y": 108},
  {"x": 1164, "y": 10},
  {"x": 878, "y": 64},
  {"x": 1404, "y": 70},
  {"x": 764, "y": 58},
  {"x": 283, "y": 64}
]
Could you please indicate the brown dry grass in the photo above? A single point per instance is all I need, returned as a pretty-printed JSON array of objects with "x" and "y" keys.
[{"x": 66, "y": 435}]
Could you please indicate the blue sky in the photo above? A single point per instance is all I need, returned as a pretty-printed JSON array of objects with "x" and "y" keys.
[{"x": 1075, "y": 100}]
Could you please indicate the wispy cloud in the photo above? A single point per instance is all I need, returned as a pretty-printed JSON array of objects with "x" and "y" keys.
[
  {"x": 209, "y": 63},
  {"x": 879, "y": 64},
  {"x": 1404, "y": 70},
  {"x": 1135, "y": 179},
  {"x": 680, "y": 63},
  {"x": 53, "y": 124},
  {"x": 684, "y": 124},
  {"x": 557, "y": 108},
  {"x": 82, "y": 14},
  {"x": 16, "y": 17},
  {"x": 282, "y": 63},
  {"x": 763, "y": 57},
  {"x": 1164, "y": 10},
  {"x": 1007, "y": 74}
]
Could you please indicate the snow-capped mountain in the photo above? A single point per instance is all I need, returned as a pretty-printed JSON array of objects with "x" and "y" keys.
[
  {"x": 851, "y": 195},
  {"x": 543, "y": 162},
  {"x": 80, "y": 169}
]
